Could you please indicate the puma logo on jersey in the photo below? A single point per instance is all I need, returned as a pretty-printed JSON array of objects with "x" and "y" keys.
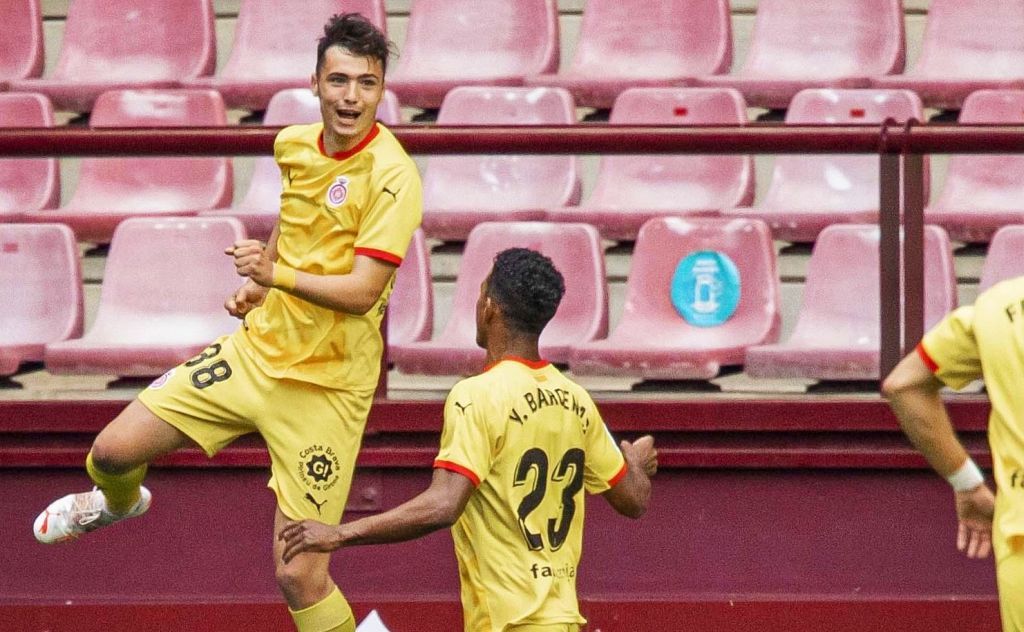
[
  {"x": 393, "y": 194},
  {"x": 310, "y": 498},
  {"x": 462, "y": 409}
]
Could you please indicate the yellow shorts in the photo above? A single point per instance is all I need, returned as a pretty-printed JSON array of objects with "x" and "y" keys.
[
  {"x": 550, "y": 627},
  {"x": 1010, "y": 579},
  {"x": 313, "y": 433}
]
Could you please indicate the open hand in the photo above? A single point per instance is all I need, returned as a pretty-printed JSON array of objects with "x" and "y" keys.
[
  {"x": 641, "y": 453},
  {"x": 251, "y": 261},
  {"x": 974, "y": 509},
  {"x": 245, "y": 299},
  {"x": 308, "y": 536}
]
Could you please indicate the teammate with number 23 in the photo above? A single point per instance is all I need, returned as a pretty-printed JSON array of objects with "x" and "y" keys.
[
  {"x": 302, "y": 369},
  {"x": 521, "y": 442}
]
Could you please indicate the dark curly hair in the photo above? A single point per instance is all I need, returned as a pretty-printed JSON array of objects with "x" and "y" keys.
[
  {"x": 356, "y": 34},
  {"x": 527, "y": 288}
]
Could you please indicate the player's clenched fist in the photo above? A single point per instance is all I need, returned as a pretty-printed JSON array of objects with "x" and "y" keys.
[
  {"x": 641, "y": 453},
  {"x": 245, "y": 299},
  {"x": 251, "y": 261}
]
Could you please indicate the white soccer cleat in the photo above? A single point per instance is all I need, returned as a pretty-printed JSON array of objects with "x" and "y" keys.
[{"x": 69, "y": 517}]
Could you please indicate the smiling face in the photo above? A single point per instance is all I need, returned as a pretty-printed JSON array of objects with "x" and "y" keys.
[{"x": 349, "y": 87}]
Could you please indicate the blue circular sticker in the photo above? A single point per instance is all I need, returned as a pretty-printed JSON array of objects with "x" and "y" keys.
[{"x": 706, "y": 288}]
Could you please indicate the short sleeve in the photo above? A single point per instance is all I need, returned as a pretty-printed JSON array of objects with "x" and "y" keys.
[
  {"x": 465, "y": 440},
  {"x": 394, "y": 214},
  {"x": 950, "y": 349},
  {"x": 604, "y": 466}
]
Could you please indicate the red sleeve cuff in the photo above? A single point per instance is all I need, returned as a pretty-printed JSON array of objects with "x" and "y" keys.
[
  {"x": 618, "y": 476},
  {"x": 458, "y": 469},
  {"x": 927, "y": 359},
  {"x": 383, "y": 255}
]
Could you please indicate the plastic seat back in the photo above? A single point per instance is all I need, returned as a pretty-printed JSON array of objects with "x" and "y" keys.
[
  {"x": 972, "y": 39},
  {"x": 797, "y": 39},
  {"x": 663, "y": 181},
  {"x": 158, "y": 184},
  {"x": 1003, "y": 260},
  {"x": 27, "y": 184},
  {"x": 40, "y": 287},
  {"x": 21, "y": 39},
  {"x": 497, "y": 182},
  {"x": 836, "y": 182},
  {"x": 411, "y": 307}
]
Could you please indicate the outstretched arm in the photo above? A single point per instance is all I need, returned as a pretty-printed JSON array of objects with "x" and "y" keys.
[
  {"x": 436, "y": 508},
  {"x": 631, "y": 495},
  {"x": 353, "y": 293},
  {"x": 913, "y": 393}
]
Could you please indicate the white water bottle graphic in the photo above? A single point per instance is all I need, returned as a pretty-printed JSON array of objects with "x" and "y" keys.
[{"x": 705, "y": 287}]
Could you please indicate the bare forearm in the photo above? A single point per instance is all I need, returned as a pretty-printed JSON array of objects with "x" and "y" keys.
[
  {"x": 337, "y": 292},
  {"x": 422, "y": 515},
  {"x": 924, "y": 420}
]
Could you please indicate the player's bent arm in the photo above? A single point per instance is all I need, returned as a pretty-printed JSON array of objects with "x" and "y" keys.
[
  {"x": 632, "y": 494},
  {"x": 353, "y": 293},
  {"x": 439, "y": 506},
  {"x": 913, "y": 394}
]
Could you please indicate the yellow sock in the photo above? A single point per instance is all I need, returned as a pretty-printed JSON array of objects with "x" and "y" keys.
[
  {"x": 120, "y": 490},
  {"x": 330, "y": 614}
]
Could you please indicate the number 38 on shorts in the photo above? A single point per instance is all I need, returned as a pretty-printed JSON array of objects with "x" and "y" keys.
[{"x": 212, "y": 373}]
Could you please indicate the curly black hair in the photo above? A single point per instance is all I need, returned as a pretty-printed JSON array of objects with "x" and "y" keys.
[
  {"x": 527, "y": 288},
  {"x": 356, "y": 34}
]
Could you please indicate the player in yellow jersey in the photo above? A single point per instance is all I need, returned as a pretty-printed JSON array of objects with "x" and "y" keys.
[
  {"x": 303, "y": 367},
  {"x": 981, "y": 340},
  {"x": 521, "y": 443}
]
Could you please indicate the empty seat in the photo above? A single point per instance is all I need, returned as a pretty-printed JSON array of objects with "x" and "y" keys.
[
  {"x": 576, "y": 252},
  {"x": 112, "y": 189},
  {"x": 411, "y": 306},
  {"x": 461, "y": 191},
  {"x": 27, "y": 184},
  {"x": 1003, "y": 260},
  {"x": 633, "y": 43},
  {"x": 162, "y": 298},
  {"x": 40, "y": 291},
  {"x": 983, "y": 192},
  {"x": 968, "y": 45},
  {"x": 453, "y": 43},
  {"x": 837, "y": 333},
  {"x": 632, "y": 189},
  {"x": 699, "y": 292},
  {"x": 120, "y": 44},
  {"x": 798, "y": 45},
  {"x": 807, "y": 193},
  {"x": 273, "y": 47},
  {"x": 259, "y": 209},
  {"x": 21, "y": 40}
]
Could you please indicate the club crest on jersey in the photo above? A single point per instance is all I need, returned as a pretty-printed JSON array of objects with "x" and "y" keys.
[
  {"x": 337, "y": 193},
  {"x": 319, "y": 467}
]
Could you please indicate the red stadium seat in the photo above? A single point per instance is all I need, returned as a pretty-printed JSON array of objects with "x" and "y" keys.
[
  {"x": 837, "y": 333},
  {"x": 27, "y": 184},
  {"x": 696, "y": 334},
  {"x": 21, "y": 40},
  {"x": 452, "y": 43},
  {"x": 807, "y": 193},
  {"x": 575, "y": 250},
  {"x": 681, "y": 39},
  {"x": 113, "y": 189},
  {"x": 120, "y": 44},
  {"x": 632, "y": 189},
  {"x": 411, "y": 307},
  {"x": 798, "y": 45},
  {"x": 261, "y": 206},
  {"x": 272, "y": 48},
  {"x": 1003, "y": 260},
  {"x": 461, "y": 191},
  {"x": 968, "y": 45},
  {"x": 40, "y": 291},
  {"x": 983, "y": 192},
  {"x": 162, "y": 299}
]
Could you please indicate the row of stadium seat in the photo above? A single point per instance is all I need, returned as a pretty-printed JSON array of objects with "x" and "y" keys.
[
  {"x": 117, "y": 44},
  {"x": 166, "y": 280},
  {"x": 805, "y": 194}
]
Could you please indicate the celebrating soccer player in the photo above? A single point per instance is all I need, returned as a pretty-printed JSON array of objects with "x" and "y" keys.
[
  {"x": 520, "y": 444},
  {"x": 303, "y": 367}
]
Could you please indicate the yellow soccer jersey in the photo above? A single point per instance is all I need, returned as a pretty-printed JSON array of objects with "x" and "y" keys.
[
  {"x": 531, "y": 441},
  {"x": 988, "y": 337},
  {"x": 367, "y": 201}
]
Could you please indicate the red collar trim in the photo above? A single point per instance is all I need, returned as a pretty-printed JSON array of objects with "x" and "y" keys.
[
  {"x": 533, "y": 364},
  {"x": 342, "y": 155}
]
